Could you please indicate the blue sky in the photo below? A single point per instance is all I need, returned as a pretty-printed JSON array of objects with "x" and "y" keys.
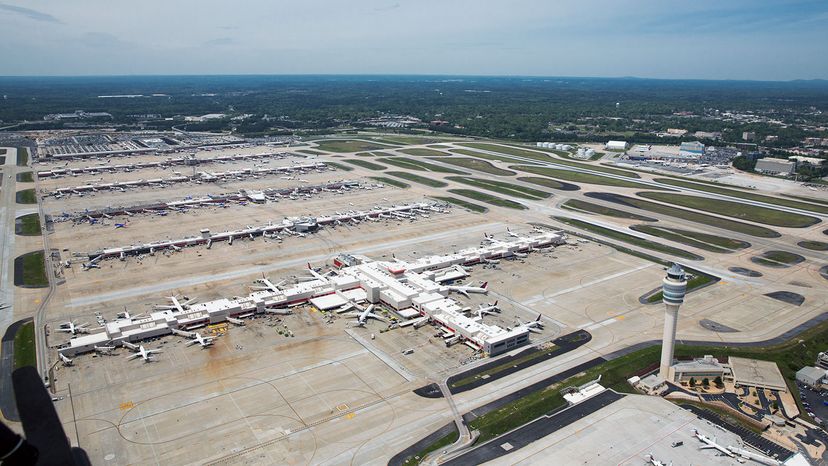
[{"x": 703, "y": 39}]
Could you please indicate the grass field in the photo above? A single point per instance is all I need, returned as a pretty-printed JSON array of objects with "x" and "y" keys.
[
  {"x": 488, "y": 198},
  {"x": 390, "y": 181},
  {"x": 25, "y": 177},
  {"x": 403, "y": 139},
  {"x": 479, "y": 165},
  {"x": 695, "y": 239},
  {"x": 26, "y": 196},
  {"x": 365, "y": 164},
  {"x": 30, "y": 270},
  {"x": 696, "y": 281},
  {"x": 462, "y": 203},
  {"x": 732, "y": 225},
  {"x": 535, "y": 155},
  {"x": 813, "y": 245},
  {"x": 22, "y": 156},
  {"x": 310, "y": 152},
  {"x": 347, "y": 145},
  {"x": 420, "y": 165},
  {"x": 549, "y": 183},
  {"x": 424, "y": 152},
  {"x": 589, "y": 207},
  {"x": 577, "y": 177},
  {"x": 445, "y": 441},
  {"x": 339, "y": 166},
  {"x": 502, "y": 187},
  {"x": 745, "y": 195},
  {"x": 777, "y": 259},
  {"x": 24, "y": 346},
  {"x": 27, "y": 225},
  {"x": 481, "y": 155},
  {"x": 629, "y": 239},
  {"x": 507, "y": 364},
  {"x": 735, "y": 210},
  {"x": 418, "y": 179}
]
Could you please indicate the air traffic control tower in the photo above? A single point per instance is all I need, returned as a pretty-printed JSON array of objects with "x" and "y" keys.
[{"x": 674, "y": 288}]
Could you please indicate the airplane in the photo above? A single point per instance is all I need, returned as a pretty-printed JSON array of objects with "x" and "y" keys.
[
  {"x": 198, "y": 339},
  {"x": 512, "y": 233},
  {"x": 266, "y": 284},
  {"x": 654, "y": 462},
  {"x": 488, "y": 308},
  {"x": 710, "y": 444},
  {"x": 143, "y": 353},
  {"x": 534, "y": 326},
  {"x": 364, "y": 315},
  {"x": 468, "y": 288},
  {"x": 4, "y": 305},
  {"x": 66, "y": 361},
  {"x": 74, "y": 329},
  {"x": 120, "y": 225}
]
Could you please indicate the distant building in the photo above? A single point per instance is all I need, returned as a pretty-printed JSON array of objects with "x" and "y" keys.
[
  {"x": 748, "y": 136},
  {"x": 699, "y": 369},
  {"x": 617, "y": 145},
  {"x": 76, "y": 115},
  {"x": 691, "y": 148},
  {"x": 800, "y": 160},
  {"x": 774, "y": 166},
  {"x": 822, "y": 360},
  {"x": 771, "y": 138},
  {"x": 756, "y": 373},
  {"x": 708, "y": 134},
  {"x": 811, "y": 376},
  {"x": 676, "y": 131}
]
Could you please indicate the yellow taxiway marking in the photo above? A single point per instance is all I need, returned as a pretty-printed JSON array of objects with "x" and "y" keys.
[
  {"x": 342, "y": 407},
  {"x": 350, "y": 415},
  {"x": 126, "y": 406},
  {"x": 37, "y": 301}
]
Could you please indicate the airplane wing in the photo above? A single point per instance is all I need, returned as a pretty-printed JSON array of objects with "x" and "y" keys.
[
  {"x": 130, "y": 345},
  {"x": 133, "y": 356}
]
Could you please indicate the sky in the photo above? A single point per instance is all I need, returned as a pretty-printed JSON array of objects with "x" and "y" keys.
[{"x": 702, "y": 39}]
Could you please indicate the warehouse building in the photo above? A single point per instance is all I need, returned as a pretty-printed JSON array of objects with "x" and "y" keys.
[{"x": 773, "y": 166}]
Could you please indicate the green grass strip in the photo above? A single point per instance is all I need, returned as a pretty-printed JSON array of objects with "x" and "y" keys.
[
  {"x": 25, "y": 177},
  {"x": 481, "y": 155},
  {"x": 22, "y": 156},
  {"x": 24, "y": 346},
  {"x": 423, "y": 152},
  {"x": 346, "y": 145},
  {"x": 27, "y": 225},
  {"x": 365, "y": 164},
  {"x": 813, "y": 245},
  {"x": 390, "y": 181},
  {"x": 718, "y": 222},
  {"x": 26, "y": 196},
  {"x": 419, "y": 179},
  {"x": 478, "y": 165},
  {"x": 502, "y": 187},
  {"x": 627, "y": 238},
  {"x": 488, "y": 198},
  {"x": 695, "y": 239},
  {"x": 588, "y": 207},
  {"x": 462, "y": 203},
  {"x": 578, "y": 177},
  {"x": 745, "y": 195},
  {"x": 419, "y": 165},
  {"x": 339, "y": 166},
  {"x": 735, "y": 210}
]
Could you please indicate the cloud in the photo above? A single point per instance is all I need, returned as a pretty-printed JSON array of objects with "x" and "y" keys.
[
  {"x": 29, "y": 13},
  {"x": 388, "y": 7}
]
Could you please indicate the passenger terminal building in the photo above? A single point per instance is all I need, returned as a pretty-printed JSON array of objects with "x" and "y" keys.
[{"x": 411, "y": 290}]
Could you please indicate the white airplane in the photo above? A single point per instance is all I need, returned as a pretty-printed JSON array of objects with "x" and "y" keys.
[
  {"x": 4, "y": 305},
  {"x": 710, "y": 444},
  {"x": 198, "y": 339},
  {"x": 654, "y": 462},
  {"x": 534, "y": 326},
  {"x": 264, "y": 284},
  {"x": 364, "y": 315},
  {"x": 512, "y": 233},
  {"x": 468, "y": 288},
  {"x": 66, "y": 361},
  {"x": 73, "y": 328},
  {"x": 143, "y": 353},
  {"x": 487, "y": 309}
]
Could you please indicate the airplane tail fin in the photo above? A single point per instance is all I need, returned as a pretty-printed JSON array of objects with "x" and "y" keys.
[
  {"x": 485, "y": 285},
  {"x": 538, "y": 318}
]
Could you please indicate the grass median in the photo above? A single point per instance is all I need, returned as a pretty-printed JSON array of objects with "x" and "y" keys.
[
  {"x": 502, "y": 187},
  {"x": 420, "y": 152},
  {"x": 629, "y": 239},
  {"x": 745, "y": 195},
  {"x": 26, "y": 196},
  {"x": 25, "y": 177},
  {"x": 462, "y": 203},
  {"x": 590, "y": 208},
  {"x": 24, "y": 346},
  {"x": 578, "y": 177},
  {"x": 478, "y": 165},
  {"x": 696, "y": 239},
  {"x": 419, "y": 165},
  {"x": 419, "y": 179},
  {"x": 697, "y": 217},
  {"x": 390, "y": 181},
  {"x": 30, "y": 270},
  {"x": 346, "y": 145},
  {"x": 27, "y": 225},
  {"x": 488, "y": 198},
  {"x": 365, "y": 164},
  {"x": 737, "y": 210},
  {"x": 549, "y": 183}
]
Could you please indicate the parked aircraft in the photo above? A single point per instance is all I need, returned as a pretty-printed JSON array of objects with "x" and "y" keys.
[
  {"x": 364, "y": 315},
  {"x": 66, "y": 361},
  {"x": 198, "y": 339},
  {"x": 73, "y": 328},
  {"x": 468, "y": 288},
  {"x": 534, "y": 326},
  {"x": 104, "y": 349},
  {"x": 710, "y": 444},
  {"x": 511, "y": 233},
  {"x": 141, "y": 352}
]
